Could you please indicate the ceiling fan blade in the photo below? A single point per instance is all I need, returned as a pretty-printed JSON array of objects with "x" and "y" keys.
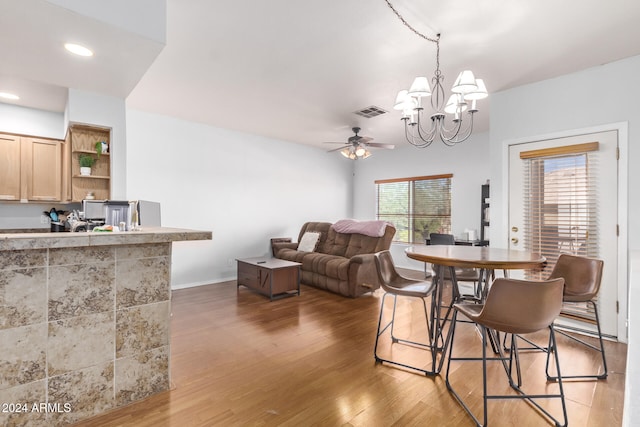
[
  {"x": 335, "y": 142},
  {"x": 336, "y": 149},
  {"x": 357, "y": 139},
  {"x": 378, "y": 145}
]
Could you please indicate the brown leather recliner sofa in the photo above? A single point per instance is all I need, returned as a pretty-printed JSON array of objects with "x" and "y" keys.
[{"x": 342, "y": 262}]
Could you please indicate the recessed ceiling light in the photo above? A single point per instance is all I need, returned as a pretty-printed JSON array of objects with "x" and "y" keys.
[
  {"x": 77, "y": 49},
  {"x": 7, "y": 95}
]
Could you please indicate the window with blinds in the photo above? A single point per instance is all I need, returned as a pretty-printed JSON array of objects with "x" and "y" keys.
[
  {"x": 415, "y": 206},
  {"x": 561, "y": 212}
]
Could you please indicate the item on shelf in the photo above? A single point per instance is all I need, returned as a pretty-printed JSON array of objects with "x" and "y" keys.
[
  {"x": 101, "y": 148},
  {"x": 470, "y": 235},
  {"x": 86, "y": 162}
]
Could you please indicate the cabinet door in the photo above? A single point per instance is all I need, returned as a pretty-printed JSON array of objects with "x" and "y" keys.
[
  {"x": 9, "y": 167},
  {"x": 42, "y": 168}
]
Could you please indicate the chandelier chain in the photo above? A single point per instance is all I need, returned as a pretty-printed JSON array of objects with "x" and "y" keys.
[
  {"x": 409, "y": 101},
  {"x": 418, "y": 33}
]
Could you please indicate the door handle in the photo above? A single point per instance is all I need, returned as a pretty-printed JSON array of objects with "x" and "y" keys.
[
  {"x": 514, "y": 240},
  {"x": 514, "y": 229}
]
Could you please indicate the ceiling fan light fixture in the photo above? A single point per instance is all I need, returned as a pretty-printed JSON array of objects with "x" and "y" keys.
[{"x": 358, "y": 146}]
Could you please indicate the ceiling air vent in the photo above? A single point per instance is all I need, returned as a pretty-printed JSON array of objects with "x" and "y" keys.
[{"x": 370, "y": 111}]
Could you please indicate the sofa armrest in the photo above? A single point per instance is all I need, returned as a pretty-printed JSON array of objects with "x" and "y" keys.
[
  {"x": 363, "y": 258},
  {"x": 363, "y": 273},
  {"x": 282, "y": 243}
]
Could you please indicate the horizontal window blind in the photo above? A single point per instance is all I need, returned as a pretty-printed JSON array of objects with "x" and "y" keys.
[
  {"x": 415, "y": 206},
  {"x": 561, "y": 212}
]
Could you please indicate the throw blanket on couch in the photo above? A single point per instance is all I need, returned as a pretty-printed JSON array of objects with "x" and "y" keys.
[{"x": 368, "y": 228}]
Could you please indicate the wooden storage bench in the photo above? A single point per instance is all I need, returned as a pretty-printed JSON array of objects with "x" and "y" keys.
[{"x": 273, "y": 277}]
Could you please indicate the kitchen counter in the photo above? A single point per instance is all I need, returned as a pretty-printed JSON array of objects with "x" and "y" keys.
[
  {"x": 84, "y": 321},
  {"x": 18, "y": 241}
]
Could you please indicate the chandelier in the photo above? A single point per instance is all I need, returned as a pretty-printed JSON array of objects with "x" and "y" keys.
[{"x": 466, "y": 88}]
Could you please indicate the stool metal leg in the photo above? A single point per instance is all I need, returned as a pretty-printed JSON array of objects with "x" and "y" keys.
[
  {"x": 430, "y": 346},
  {"x": 513, "y": 358}
]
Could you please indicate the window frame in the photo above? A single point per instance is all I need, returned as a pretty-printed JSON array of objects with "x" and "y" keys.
[{"x": 405, "y": 223}]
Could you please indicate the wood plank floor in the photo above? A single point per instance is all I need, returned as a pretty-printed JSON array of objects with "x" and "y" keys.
[{"x": 239, "y": 360}]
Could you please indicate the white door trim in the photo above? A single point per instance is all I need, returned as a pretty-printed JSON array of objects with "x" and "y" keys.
[{"x": 623, "y": 205}]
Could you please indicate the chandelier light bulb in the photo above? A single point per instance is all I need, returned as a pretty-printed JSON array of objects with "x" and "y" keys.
[{"x": 455, "y": 104}]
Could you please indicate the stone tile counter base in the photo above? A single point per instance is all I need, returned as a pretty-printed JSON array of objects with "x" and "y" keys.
[{"x": 83, "y": 329}]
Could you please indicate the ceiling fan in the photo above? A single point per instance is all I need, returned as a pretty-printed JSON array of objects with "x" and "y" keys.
[{"x": 357, "y": 146}]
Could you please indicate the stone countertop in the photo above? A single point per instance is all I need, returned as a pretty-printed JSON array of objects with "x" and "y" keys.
[{"x": 19, "y": 241}]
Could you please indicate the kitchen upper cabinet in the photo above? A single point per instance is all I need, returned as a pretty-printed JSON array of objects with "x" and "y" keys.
[
  {"x": 9, "y": 167},
  {"x": 42, "y": 162},
  {"x": 30, "y": 169}
]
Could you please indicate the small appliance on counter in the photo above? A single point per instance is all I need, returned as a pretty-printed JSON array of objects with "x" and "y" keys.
[
  {"x": 132, "y": 214},
  {"x": 123, "y": 214},
  {"x": 148, "y": 213},
  {"x": 93, "y": 210},
  {"x": 118, "y": 214},
  {"x": 92, "y": 215}
]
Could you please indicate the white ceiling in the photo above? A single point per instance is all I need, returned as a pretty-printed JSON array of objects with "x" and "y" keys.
[{"x": 297, "y": 70}]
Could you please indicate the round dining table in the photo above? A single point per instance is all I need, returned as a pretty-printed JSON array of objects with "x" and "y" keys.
[{"x": 483, "y": 258}]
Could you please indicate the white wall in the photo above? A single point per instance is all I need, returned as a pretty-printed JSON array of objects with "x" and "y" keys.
[
  {"x": 32, "y": 122},
  {"x": 596, "y": 97},
  {"x": 106, "y": 111},
  {"x": 631, "y": 402},
  {"x": 468, "y": 162},
  {"x": 244, "y": 188}
]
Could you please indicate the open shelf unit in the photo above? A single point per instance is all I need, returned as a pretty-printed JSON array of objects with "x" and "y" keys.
[
  {"x": 485, "y": 203},
  {"x": 82, "y": 140}
]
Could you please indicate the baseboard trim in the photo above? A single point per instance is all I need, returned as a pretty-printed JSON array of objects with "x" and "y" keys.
[{"x": 195, "y": 284}]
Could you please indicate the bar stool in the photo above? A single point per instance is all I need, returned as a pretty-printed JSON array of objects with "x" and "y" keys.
[
  {"x": 396, "y": 285},
  {"x": 582, "y": 277},
  {"x": 512, "y": 307},
  {"x": 461, "y": 274}
]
